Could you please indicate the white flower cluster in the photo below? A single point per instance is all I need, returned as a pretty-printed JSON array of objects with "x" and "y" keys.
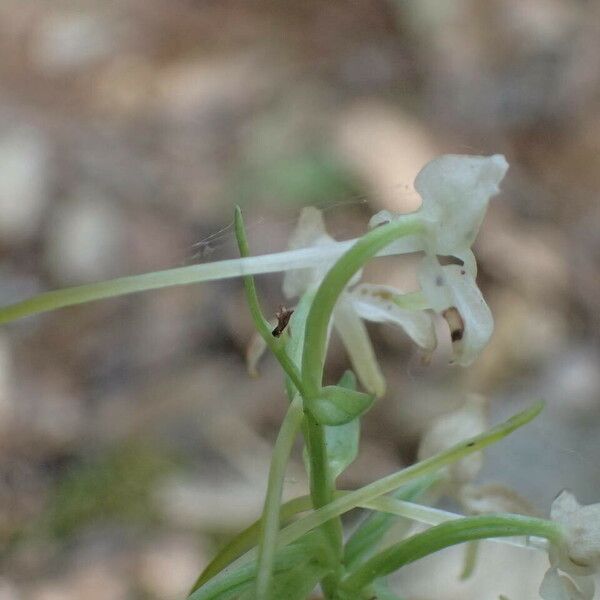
[
  {"x": 574, "y": 562},
  {"x": 455, "y": 191}
]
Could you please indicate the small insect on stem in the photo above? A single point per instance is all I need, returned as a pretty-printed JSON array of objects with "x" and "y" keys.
[{"x": 282, "y": 315}]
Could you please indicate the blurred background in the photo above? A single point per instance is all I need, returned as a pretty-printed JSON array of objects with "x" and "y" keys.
[{"x": 132, "y": 441}]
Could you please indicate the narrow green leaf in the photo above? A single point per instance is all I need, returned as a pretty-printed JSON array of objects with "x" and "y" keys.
[
  {"x": 346, "y": 501},
  {"x": 246, "y": 540},
  {"x": 443, "y": 536},
  {"x": 363, "y": 542}
]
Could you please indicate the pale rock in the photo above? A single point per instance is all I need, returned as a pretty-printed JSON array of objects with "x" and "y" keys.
[
  {"x": 23, "y": 183},
  {"x": 387, "y": 148},
  {"x": 9, "y": 591},
  {"x": 85, "y": 239},
  {"x": 168, "y": 567},
  {"x": 92, "y": 582},
  {"x": 65, "y": 42}
]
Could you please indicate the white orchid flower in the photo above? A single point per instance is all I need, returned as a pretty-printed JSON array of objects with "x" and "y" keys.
[
  {"x": 376, "y": 303},
  {"x": 573, "y": 564},
  {"x": 451, "y": 291},
  {"x": 469, "y": 420},
  {"x": 456, "y": 191}
]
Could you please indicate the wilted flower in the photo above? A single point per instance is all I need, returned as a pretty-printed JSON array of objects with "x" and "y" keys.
[
  {"x": 574, "y": 561},
  {"x": 376, "y": 303},
  {"x": 455, "y": 190}
]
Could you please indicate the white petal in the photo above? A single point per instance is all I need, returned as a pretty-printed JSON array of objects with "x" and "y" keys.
[
  {"x": 448, "y": 430},
  {"x": 254, "y": 352},
  {"x": 452, "y": 291},
  {"x": 376, "y": 303},
  {"x": 564, "y": 505},
  {"x": 310, "y": 231},
  {"x": 581, "y": 525},
  {"x": 456, "y": 190},
  {"x": 355, "y": 338},
  {"x": 468, "y": 259},
  {"x": 556, "y": 586},
  {"x": 585, "y": 585},
  {"x": 552, "y": 587},
  {"x": 381, "y": 218},
  {"x": 433, "y": 284}
]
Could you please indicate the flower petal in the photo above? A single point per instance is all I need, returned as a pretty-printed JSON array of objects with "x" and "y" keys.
[
  {"x": 556, "y": 586},
  {"x": 450, "y": 429},
  {"x": 310, "y": 231},
  {"x": 452, "y": 291},
  {"x": 355, "y": 338},
  {"x": 552, "y": 586},
  {"x": 564, "y": 505},
  {"x": 456, "y": 190},
  {"x": 468, "y": 259},
  {"x": 381, "y": 218},
  {"x": 581, "y": 525},
  {"x": 376, "y": 303},
  {"x": 254, "y": 352}
]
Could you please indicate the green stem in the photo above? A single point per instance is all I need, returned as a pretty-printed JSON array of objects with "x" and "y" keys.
[
  {"x": 347, "y": 501},
  {"x": 271, "y": 511},
  {"x": 445, "y": 535},
  {"x": 333, "y": 284},
  {"x": 313, "y": 361},
  {"x": 262, "y": 325},
  {"x": 322, "y": 491}
]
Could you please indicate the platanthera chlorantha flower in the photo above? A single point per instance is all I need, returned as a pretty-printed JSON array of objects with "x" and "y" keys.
[
  {"x": 455, "y": 191},
  {"x": 573, "y": 563},
  {"x": 377, "y": 303}
]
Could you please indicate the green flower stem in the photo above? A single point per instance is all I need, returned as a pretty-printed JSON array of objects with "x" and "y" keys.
[
  {"x": 322, "y": 492},
  {"x": 313, "y": 361},
  {"x": 271, "y": 512},
  {"x": 333, "y": 284},
  {"x": 445, "y": 535},
  {"x": 262, "y": 325}
]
